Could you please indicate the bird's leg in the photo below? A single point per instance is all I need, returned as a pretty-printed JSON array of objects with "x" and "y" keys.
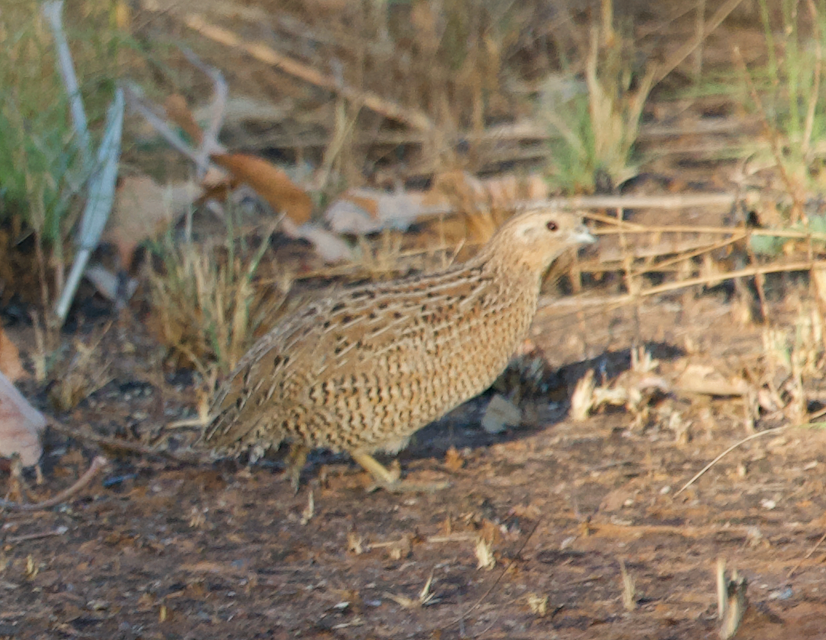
[
  {"x": 296, "y": 460},
  {"x": 389, "y": 478},
  {"x": 382, "y": 474}
]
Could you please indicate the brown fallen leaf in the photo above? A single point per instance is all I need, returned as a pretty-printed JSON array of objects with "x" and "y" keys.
[
  {"x": 453, "y": 459},
  {"x": 143, "y": 209},
  {"x": 10, "y": 364},
  {"x": 269, "y": 182},
  {"x": 178, "y": 111},
  {"x": 705, "y": 379},
  {"x": 361, "y": 211},
  {"x": 500, "y": 414},
  {"x": 20, "y": 425}
]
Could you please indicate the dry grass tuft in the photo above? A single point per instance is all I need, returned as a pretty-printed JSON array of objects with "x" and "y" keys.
[
  {"x": 206, "y": 306},
  {"x": 85, "y": 372},
  {"x": 538, "y": 604},
  {"x": 426, "y": 597},
  {"x": 629, "y": 589},
  {"x": 793, "y": 354}
]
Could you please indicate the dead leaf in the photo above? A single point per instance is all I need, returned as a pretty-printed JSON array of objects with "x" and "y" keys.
[
  {"x": 500, "y": 414},
  {"x": 10, "y": 364},
  {"x": 453, "y": 459},
  {"x": 178, "y": 111},
  {"x": 143, "y": 209},
  {"x": 269, "y": 182},
  {"x": 362, "y": 211},
  {"x": 326, "y": 244},
  {"x": 20, "y": 425},
  {"x": 705, "y": 379}
]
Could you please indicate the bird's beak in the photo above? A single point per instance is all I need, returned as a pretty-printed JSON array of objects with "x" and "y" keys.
[{"x": 581, "y": 235}]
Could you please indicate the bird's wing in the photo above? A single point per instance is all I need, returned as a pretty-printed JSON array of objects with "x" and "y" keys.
[
  {"x": 271, "y": 377},
  {"x": 350, "y": 343}
]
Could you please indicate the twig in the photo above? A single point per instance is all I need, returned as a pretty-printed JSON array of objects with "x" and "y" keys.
[
  {"x": 140, "y": 105},
  {"x": 675, "y": 201},
  {"x": 683, "y": 52},
  {"x": 209, "y": 143},
  {"x": 726, "y": 452},
  {"x": 123, "y": 445},
  {"x": 814, "y": 94},
  {"x": 456, "y": 537},
  {"x": 37, "y": 536},
  {"x": 261, "y": 52},
  {"x": 461, "y": 619},
  {"x": 689, "y": 254},
  {"x": 98, "y": 463},
  {"x": 770, "y": 132},
  {"x": 740, "y": 273},
  {"x": 615, "y": 302},
  {"x": 806, "y": 557}
]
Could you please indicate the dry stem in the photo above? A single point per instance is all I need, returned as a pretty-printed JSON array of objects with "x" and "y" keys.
[
  {"x": 98, "y": 463},
  {"x": 124, "y": 445}
]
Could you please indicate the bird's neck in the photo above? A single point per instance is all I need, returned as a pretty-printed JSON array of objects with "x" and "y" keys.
[{"x": 507, "y": 266}]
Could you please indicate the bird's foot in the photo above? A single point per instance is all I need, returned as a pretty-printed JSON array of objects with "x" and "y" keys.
[
  {"x": 382, "y": 474},
  {"x": 296, "y": 460},
  {"x": 390, "y": 479}
]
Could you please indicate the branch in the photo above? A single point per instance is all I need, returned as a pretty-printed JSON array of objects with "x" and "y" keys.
[{"x": 97, "y": 464}]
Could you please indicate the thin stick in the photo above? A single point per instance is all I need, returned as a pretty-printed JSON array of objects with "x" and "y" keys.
[
  {"x": 814, "y": 94},
  {"x": 123, "y": 445},
  {"x": 209, "y": 142},
  {"x": 683, "y": 52},
  {"x": 97, "y": 464},
  {"x": 740, "y": 273},
  {"x": 699, "y": 26},
  {"x": 659, "y": 266},
  {"x": 622, "y": 300},
  {"x": 266, "y": 54},
  {"x": 726, "y": 452},
  {"x": 461, "y": 619},
  {"x": 792, "y": 189},
  {"x": 806, "y": 557},
  {"x": 37, "y": 536}
]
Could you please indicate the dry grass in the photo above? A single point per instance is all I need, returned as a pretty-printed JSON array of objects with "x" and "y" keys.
[
  {"x": 86, "y": 371},
  {"x": 206, "y": 306}
]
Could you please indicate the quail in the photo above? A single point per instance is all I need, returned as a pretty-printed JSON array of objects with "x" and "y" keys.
[{"x": 364, "y": 368}]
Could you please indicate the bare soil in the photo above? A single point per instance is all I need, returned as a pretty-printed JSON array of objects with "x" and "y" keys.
[{"x": 167, "y": 550}]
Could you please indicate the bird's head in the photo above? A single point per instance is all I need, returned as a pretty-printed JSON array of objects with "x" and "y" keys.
[{"x": 536, "y": 238}]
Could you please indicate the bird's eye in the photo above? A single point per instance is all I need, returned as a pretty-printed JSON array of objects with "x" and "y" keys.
[{"x": 551, "y": 226}]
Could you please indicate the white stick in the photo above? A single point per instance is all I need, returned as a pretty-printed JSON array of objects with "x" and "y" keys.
[{"x": 52, "y": 11}]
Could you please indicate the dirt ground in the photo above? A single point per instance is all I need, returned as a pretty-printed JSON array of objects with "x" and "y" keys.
[
  {"x": 542, "y": 529},
  {"x": 166, "y": 550}
]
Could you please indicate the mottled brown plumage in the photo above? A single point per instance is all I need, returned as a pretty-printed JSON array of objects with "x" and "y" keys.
[{"x": 363, "y": 369}]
